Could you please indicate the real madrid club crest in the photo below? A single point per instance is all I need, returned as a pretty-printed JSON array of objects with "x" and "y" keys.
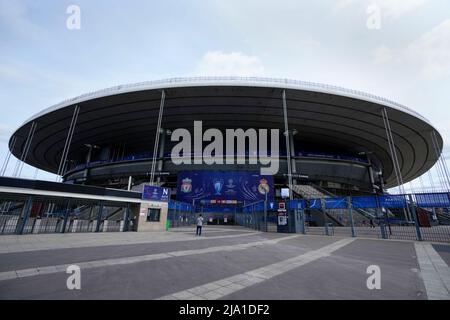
[
  {"x": 263, "y": 187},
  {"x": 186, "y": 185}
]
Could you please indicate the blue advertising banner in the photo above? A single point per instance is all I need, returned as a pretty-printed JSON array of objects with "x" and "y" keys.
[
  {"x": 223, "y": 187},
  {"x": 364, "y": 202},
  {"x": 336, "y": 203},
  {"x": 392, "y": 201},
  {"x": 154, "y": 193},
  {"x": 315, "y": 204},
  {"x": 430, "y": 200},
  {"x": 297, "y": 204}
]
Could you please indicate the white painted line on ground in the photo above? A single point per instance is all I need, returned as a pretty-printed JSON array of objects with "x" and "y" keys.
[
  {"x": 435, "y": 272},
  {"x": 221, "y": 288},
  {"x": 8, "y": 275}
]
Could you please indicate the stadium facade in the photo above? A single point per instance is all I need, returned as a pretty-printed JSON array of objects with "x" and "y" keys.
[{"x": 338, "y": 138}]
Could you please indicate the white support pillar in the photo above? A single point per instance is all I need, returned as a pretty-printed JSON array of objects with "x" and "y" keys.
[
  {"x": 25, "y": 150},
  {"x": 288, "y": 147},
  {"x": 157, "y": 136},
  {"x": 62, "y": 163}
]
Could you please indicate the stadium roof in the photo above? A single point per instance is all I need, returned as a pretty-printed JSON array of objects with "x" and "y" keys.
[{"x": 320, "y": 113}]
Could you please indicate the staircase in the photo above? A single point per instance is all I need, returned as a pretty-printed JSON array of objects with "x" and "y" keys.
[{"x": 340, "y": 216}]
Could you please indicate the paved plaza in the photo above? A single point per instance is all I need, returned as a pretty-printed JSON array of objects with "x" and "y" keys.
[{"x": 225, "y": 263}]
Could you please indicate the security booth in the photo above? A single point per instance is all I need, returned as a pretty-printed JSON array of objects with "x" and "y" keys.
[{"x": 154, "y": 209}]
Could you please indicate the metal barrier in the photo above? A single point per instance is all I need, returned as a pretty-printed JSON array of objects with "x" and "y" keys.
[
  {"x": 29, "y": 214},
  {"x": 422, "y": 217}
]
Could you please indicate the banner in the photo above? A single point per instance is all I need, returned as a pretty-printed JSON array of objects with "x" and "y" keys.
[
  {"x": 153, "y": 193},
  {"x": 364, "y": 202},
  {"x": 315, "y": 204},
  {"x": 336, "y": 203},
  {"x": 392, "y": 201},
  {"x": 430, "y": 200},
  {"x": 297, "y": 204},
  {"x": 223, "y": 187}
]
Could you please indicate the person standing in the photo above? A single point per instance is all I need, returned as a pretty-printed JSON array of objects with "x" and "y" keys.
[{"x": 199, "y": 225}]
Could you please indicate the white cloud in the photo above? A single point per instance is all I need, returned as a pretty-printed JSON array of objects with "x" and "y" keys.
[
  {"x": 389, "y": 8},
  {"x": 430, "y": 52},
  {"x": 218, "y": 63}
]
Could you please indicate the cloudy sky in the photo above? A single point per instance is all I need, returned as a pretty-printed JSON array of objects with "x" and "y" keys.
[{"x": 399, "y": 49}]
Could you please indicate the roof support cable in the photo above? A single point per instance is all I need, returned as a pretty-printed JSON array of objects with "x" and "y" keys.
[
  {"x": 26, "y": 153},
  {"x": 394, "y": 158},
  {"x": 288, "y": 148},
  {"x": 157, "y": 135},
  {"x": 422, "y": 188},
  {"x": 437, "y": 166},
  {"x": 8, "y": 156},
  {"x": 431, "y": 180},
  {"x": 392, "y": 151},
  {"x": 443, "y": 160},
  {"x": 441, "y": 163},
  {"x": 25, "y": 150},
  {"x": 62, "y": 162}
]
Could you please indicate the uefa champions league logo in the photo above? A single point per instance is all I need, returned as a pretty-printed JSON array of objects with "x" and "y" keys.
[{"x": 218, "y": 184}]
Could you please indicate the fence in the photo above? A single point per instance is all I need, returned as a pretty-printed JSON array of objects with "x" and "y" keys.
[
  {"x": 424, "y": 216},
  {"x": 27, "y": 214}
]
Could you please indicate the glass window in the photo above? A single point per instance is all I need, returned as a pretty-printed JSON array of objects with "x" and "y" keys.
[{"x": 153, "y": 215}]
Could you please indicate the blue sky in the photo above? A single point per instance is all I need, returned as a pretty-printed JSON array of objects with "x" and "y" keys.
[{"x": 42, "y": 62}]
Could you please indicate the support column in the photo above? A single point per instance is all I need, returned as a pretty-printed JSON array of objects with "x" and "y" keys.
[
  {"x": 157, "y": 136},
  {"x": 394, "y": 158},
  {"x": 288, "y": 147},
  {"x": 8, "y": 156},
  {"x": 66, "y": 216},
  {"x": 99, "y": 217},
  {"x": 62, "y": 163},
  {"x": 292, "y": 147},
  {"x": 25, "y": 215},
  {"x": 350, "y": 215},
  {"x": 162, "y": 145},
  {"x": 88, "y": 160},
  {"x": 25, "y": 150},
  {"x": 416, "y": 220}
]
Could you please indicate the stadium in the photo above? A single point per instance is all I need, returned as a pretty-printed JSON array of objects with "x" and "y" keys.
[
  {"x": 336, "y": 135},
  {"x": 333, "y": 142}
]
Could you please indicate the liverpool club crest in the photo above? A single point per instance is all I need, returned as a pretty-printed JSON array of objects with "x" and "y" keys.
[{"x": 186, "y": 185}]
